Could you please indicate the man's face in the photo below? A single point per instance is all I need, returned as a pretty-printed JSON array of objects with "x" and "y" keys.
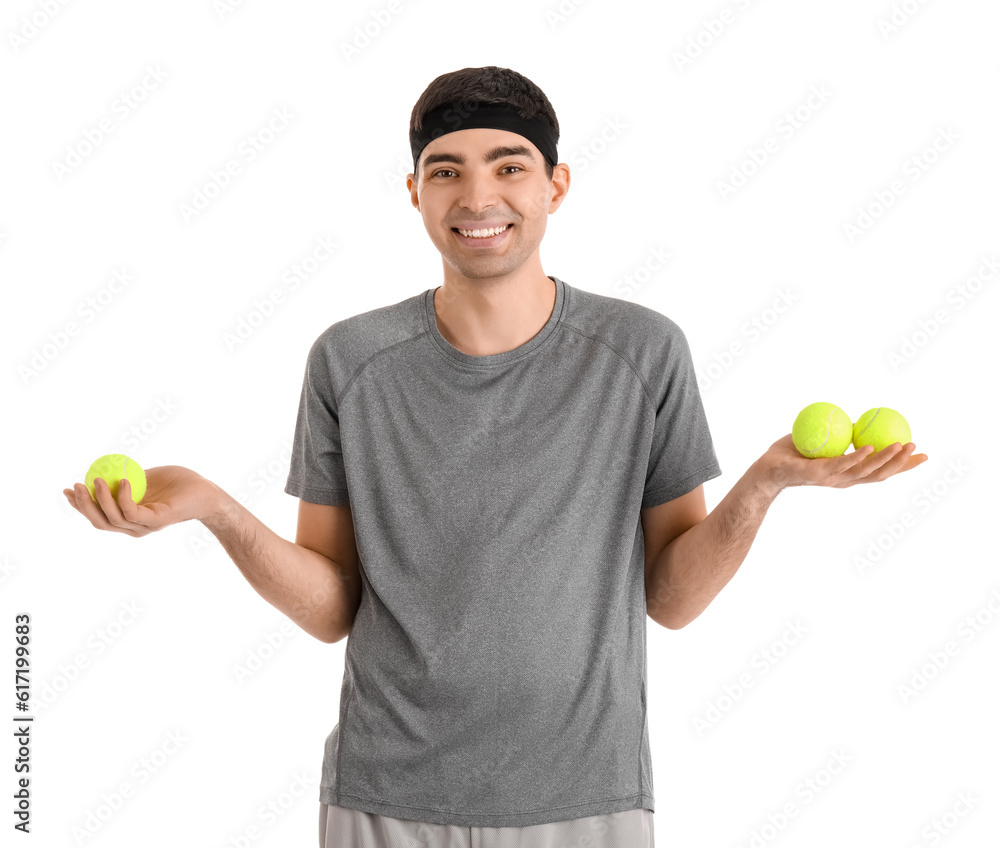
[{"x": 459, "y": 189}]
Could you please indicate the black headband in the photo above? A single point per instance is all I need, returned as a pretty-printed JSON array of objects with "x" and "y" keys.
[{"x": 475, "y": 115}]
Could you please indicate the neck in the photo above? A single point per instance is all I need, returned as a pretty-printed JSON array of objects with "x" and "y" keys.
[{"x": 485, "y": 316}]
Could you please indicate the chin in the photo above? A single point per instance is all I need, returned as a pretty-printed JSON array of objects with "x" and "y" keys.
[{"x": 487, "y": 268}]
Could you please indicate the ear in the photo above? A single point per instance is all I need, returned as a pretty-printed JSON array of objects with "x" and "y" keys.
[
  {"x": 411, "y": 187},
  {"x": 560, "y": 186}
]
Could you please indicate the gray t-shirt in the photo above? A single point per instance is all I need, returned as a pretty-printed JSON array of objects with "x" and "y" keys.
[{"x": 495, "y": 674}]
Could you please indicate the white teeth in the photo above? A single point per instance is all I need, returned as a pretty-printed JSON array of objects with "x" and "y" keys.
[{"x": 492, "y": 231}]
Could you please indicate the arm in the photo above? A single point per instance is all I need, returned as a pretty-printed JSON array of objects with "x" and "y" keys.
[
  {"x": 686, "y": 574},
  {"x": 695, "y": 558},
  {"x": 315, "y": 580}
]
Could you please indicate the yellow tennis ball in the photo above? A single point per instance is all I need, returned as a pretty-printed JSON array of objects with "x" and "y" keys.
[
  {"x": 821, "y": 429},
  {"x": 881, "y": 427},
  {"x": 111, "y": 469}
]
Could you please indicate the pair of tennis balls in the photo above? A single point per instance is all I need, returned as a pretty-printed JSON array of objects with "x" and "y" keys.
[
  {"x": 112, "y": 469},
  {"x": 824, "y": 429}
]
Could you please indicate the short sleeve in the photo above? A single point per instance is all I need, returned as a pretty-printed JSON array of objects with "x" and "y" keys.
[
  {"x": 316, "y": 473},
  {"x": 682, "y": 455}
]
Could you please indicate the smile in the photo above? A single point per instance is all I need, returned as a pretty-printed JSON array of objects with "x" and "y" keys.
[
  {"x": 482, "y": 238},
  {"x": 492, "y": 231}
]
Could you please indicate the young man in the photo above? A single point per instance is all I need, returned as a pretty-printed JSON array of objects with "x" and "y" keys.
[{"x": 499, "y": 478}]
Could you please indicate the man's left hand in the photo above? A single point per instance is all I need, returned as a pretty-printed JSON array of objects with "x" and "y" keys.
[{"x": 784, "y": 466}]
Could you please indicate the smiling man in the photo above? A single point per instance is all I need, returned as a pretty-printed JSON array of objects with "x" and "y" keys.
[
  {"x": 519, "y": 456},
  {"x": 499, "y": 479},
  {"x": 495, "y": 294}
]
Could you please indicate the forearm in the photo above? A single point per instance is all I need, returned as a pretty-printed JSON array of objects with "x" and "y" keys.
[
  {"x": 696, "y": 565},
  {"x": 308, "y": 587}
]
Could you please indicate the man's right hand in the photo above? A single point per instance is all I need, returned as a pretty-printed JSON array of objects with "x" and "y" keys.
[{"x": 173, "y": 494}]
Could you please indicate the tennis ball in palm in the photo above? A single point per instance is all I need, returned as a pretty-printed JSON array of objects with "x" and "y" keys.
[
  {"x": 880, "y": 427},
  {"x": 112, "y": 468},
  {"x": 821, "y": 430}
]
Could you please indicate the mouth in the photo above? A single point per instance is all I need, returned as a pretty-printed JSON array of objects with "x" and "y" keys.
[{"x": 483, "y": 238}]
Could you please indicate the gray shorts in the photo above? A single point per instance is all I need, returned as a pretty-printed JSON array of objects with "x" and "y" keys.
[{"x": 340, "y": 827}]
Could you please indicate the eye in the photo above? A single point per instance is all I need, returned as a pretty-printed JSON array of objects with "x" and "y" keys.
[{"x": 449, "y": 171}]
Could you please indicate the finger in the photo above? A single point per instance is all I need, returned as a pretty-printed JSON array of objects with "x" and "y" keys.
[
  {"x": 107, "y": 503},
  {"x": 914, "y": 458},
  {"x": 839, "y": 466},
  {"x": 891, "y": 460},
  {"x": 856, "y": 457},
  {"x": 71, "y": 496},
  {"x": 907, "y": 459},
  {"x": 95, "y": 512},
  {"x": 114, "y": 513},
  {"x": 111, "y": 508},
  {"x": 129, "y": 508},
  {"x": 85, "y": 504},
  {"x": 869, "y": 461},
  {"x": 887, "y": 456},
  {"x": 896, "y": 457}
]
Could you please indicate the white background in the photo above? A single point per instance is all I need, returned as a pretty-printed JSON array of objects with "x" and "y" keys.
[{"x": 876, "y": 580}]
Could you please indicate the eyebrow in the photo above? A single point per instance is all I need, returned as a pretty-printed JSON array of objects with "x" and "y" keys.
[{"x": 491, "y": 155}]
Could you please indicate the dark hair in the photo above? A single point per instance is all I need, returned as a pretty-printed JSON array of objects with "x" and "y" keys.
[{"x": 489, "y": 84}]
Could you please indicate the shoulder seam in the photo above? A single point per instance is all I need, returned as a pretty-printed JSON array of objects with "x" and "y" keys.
[
  {"x": 619, "y": 354},
  {"x": 353, "y": 378}
]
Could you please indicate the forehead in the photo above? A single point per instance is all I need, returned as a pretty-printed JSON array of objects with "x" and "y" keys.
[{"x": 478, "y": 141}]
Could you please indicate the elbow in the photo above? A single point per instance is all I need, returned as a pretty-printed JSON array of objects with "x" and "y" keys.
[
  {"x": 337, "y": 637},
  {"x": 338, "y": 627},
  {"x": 330, "y": 637},
  {"x": 664, "y": 611},
  {"x": 673, "y": 622}
]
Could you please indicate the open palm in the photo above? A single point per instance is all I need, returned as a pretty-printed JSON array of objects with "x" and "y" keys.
[
  {"x": 173, "y": 494},
  {"x": 790, "y": 468}
]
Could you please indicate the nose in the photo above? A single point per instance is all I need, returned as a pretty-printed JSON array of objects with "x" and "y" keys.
[{"x": 479, "y": 191}]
